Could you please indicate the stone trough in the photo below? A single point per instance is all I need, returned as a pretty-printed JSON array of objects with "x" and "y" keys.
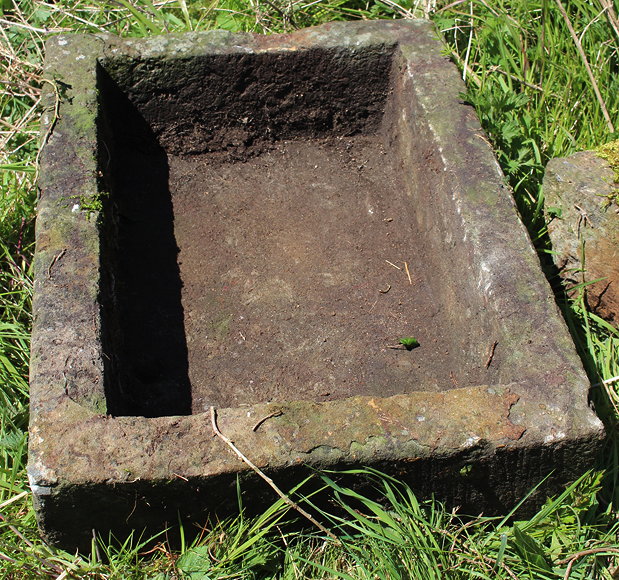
[{"x": 243, "y": 228}]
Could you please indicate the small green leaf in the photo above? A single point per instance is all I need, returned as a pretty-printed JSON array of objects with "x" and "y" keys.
[
  {"x": 409, "y": 342},
  {"x": 530, "y": 550},
  {"x": 195, "y": 563}
]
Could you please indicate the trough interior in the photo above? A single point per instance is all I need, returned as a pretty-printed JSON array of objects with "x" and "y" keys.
[{"x": 260, "y": 218}]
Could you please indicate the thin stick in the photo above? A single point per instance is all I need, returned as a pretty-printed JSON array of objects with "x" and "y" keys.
[
  {"x": 611, "y": 15},
  {"x": 57, "y": 257},
  {"x": 52, "y": 124},
  {"x": 468, "y": 46},
  {"x": 274, "y": 414},
  {"x": 517, "y": 79},
  {"x": 607, "y": 382},
  {"x": 472, "y": 75},
  {"x": 13, "y": 499},
  {"x": 402, "y": 11},
  {"x": 583, "y": 56},
  {"x": 392, "y": 264},
  {"x": 408, "y": 273},
  {"x": 587, "y": 553},
  {"x": 572, "y": 559},
  {"x": 491, "y": 353},
  {"x": 7, "y": 559},
  {"x": 17, "y": 532},
  {"x": 57, "y": 569},
  {"x": 266, "y": 478}
]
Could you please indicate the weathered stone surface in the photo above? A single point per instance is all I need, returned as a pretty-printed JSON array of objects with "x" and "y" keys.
[
  {"x": 518, "y": 413},
  {"x": 583, "y": 220}
]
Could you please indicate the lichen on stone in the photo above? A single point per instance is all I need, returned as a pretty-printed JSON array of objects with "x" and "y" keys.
[{"x": 610, "y": 153}]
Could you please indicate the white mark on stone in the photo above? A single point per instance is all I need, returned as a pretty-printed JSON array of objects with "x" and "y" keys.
[
  {"x": 40, "y": 489},
  {"x": 471, "y": 441},
  {"x": 80, "y": 57},
  {"x": 554, "y": 437},
  {"x": 420, "y": 418},
  {"x": 62, "y": 42},
  {"x": 75, "y": 208}
]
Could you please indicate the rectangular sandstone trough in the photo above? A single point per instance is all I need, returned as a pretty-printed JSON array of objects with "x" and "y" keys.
[{"x": 250, "y": 224}]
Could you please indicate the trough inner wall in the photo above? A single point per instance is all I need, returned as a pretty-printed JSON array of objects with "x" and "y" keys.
[
  {"x": 335, "y": 104},
  {"x": 433, "y": 192}
]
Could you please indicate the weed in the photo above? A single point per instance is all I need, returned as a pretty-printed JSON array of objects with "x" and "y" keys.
[
  {"x": 91, "y": 204},
  {"x": 409, "y": 342}
]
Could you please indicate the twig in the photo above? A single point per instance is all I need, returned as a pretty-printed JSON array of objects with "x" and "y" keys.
[
  {"x": 33, "y": 28},
  {"x": 400, "y": 9},
  {"x": 408, "y": 273},
  {"x": 612, "y": 395},
  {"x": 517, "y": 79},
  {"x": 17, "y": 532},
  {"x": 51, "y": 565},
  {"x": 583, "y": 56},
  {"x": 392, "y": 264},
  {"x": 57, "y": 257},
  {"x": 7, "y": 559},
  {"x": 52, "y": 124},
  {"x": 468, "y": 46},
  {"x": 574, "y": 557},
  {"x": 13, "y": 499},
  {"x": 450, "y": 6},
  {"x": 491, "y": 353},
  {"x": 469, "y": 71},
  {"x": 266, "y": 478},
  {"x": 274, "y": 414},
  {"x": 611, "y": 15},
  {"x": 588, "y": 552},
  {"x": 505, "y": 567},
  {"x": 285, "y": 17},
  {"x": 96, "y": 544}
]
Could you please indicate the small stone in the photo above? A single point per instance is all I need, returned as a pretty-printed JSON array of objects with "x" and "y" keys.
[{"x": 579, "y": 210}]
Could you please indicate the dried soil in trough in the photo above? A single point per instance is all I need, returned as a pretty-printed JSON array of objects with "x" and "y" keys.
[{"x": 287, "y": 292}]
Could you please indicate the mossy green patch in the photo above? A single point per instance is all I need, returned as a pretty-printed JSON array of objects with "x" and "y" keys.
[
  {"x": 610, "y": 152},
  {"x": 91, "y": 204},
  {"x": 221, "y": 326}
]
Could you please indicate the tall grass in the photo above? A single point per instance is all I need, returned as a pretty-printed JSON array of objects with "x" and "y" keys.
[
  {"x": 531, "y": 86},
  {"x": 542, "y": 75}
]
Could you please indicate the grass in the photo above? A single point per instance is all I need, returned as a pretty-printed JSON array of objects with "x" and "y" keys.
[{"x": 542, "y": 75}]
